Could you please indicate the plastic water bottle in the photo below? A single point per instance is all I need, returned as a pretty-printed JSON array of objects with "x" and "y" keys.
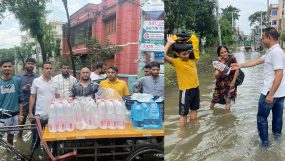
[
  {"x": 61, "y": 117},
  {"x": 137, "y": 115},
  {"x": 110, "y": 115},
  {"x": 91, "y": 114},
  {"x": 221, "y": 67},
  {"x": 120, "y": 114},
  {"x": 77, "y": 107},
  {"x": 84, "y": 113},
  {"x": 160, "y": 103},
  {"x": 95, "y": 115},
  {"x": 70, "y": 115},
  {"x": 154, "y": 116},
  {"x": 146, "y": 113},
  {"x": 102, "y": 114},
  {"x": 52, "y": 118}
]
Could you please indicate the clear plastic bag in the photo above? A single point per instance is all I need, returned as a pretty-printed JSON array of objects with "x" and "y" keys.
[
  {"x": 142, "y": 97},
  {"x": 108, "y": 93}
]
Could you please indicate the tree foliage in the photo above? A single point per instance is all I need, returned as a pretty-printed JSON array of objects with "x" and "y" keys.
[
  {"x": 24, "y": 51},
  {"x": 31, "y": 15},
  {"x": 195, "y": 15},
  {"x": 19, "y": 53},
  {"x": 230, "y": 13},
  {"x": 282, "y": 37},
  {"x": 97, "y": 51},
  {"x": 255, "y": 18},
  {"x": 227, "y": 31}
]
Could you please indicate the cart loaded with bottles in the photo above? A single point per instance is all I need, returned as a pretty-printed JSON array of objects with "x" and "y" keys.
[{"x": 110, "y": 128}]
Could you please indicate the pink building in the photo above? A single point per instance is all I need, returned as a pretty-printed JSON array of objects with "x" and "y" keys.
[{"x": 116, "y": 20}]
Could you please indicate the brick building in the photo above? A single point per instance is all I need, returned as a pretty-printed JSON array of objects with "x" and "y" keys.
[{"x": 116, "y": 20}]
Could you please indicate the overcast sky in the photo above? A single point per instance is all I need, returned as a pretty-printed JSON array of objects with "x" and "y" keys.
[
  {"x": 247, "y": 7},
  {"x": 10, "y": 33}
]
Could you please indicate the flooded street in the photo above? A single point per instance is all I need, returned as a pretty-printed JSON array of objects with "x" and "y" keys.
[
  {"x": 24, "y": 146},
  {"x": 220, "y": 135}
]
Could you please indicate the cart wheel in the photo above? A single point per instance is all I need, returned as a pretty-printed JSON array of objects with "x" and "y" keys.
[{"x": 148, "y": 152}]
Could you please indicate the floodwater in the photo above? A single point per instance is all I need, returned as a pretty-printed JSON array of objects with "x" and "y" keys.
[
  {"x": 24, "y": 146},
  {"x": 220, "y": 135}
]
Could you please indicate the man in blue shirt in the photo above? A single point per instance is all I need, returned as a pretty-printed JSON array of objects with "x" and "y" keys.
[
  {"x": 11, "y": 99},
  {"x": 27, "y": 76}
]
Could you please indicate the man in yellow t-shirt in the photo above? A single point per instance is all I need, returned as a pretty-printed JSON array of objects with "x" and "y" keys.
[
  {"x": 188, "y": 83},
  {"x": 113, "y": 82}
]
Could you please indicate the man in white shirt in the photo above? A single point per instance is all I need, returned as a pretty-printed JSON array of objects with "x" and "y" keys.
[
  {"x": 100, "y": 72},
  {"x": 44, "y": 88},
  {"x": 65, "y": 81},
  {"x": 273, "y": 92}
]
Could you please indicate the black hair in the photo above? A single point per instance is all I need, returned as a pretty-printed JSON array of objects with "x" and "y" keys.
[
  {"x": 32, "y": 60},
  {"x": 220, "y": 48},
  {"x": 64, "y": 64},
  {"x": 154, "y": 64},
  {"x": 6, "y": 60},
  {"x": 114, "y": 68},
  {"x": 100, "y": 65},
  {"x": 271, "y": 32},
  {"x": 147, "y": 66},
  {"x": 47, "y": 62}
]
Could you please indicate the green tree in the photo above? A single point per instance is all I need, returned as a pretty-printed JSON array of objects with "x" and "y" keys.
[
  {"x": 227, "y": 31},
  {"x": 98, "y": 51},
  {"x": 7, "y": 53},
  {"x": 31, "y": 15},
  {"x": 176, "y": 15},
  {"x": 205, "y": 21},
  {"x": 230, "y": 13},
  {"x": 101, "y": 50},
  {"x": 256, "y": 17},
  {"x": 24, "y": 51},
  {"x": 195, "y": 15}
]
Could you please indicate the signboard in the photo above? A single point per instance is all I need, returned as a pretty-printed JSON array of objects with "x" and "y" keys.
[
  {"x": 152, "y": 38},
  {"x": 154, "y": 26},
  {"x": 158, "y": 55},
  {"x": 153, "y": 5},
  {"x": 152, "y": 35},
  {"x": 151, "y": 47}
]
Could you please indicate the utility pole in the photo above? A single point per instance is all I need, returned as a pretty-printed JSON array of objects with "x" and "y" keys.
[
  {"x": 218, "y": 21},
  {"x": 233, "y": 20},
  {"x": 260, "y": 24},
  {"x": 268, "y": 14},
  {"x": 67, "y": 27}
]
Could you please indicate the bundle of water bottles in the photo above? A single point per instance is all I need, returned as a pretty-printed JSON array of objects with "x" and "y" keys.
[
  {"x": 146, "y": 115},
  {"x": 84, "y": 113}
]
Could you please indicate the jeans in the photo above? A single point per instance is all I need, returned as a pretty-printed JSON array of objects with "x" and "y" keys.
[{"x": 263, "y": 112}]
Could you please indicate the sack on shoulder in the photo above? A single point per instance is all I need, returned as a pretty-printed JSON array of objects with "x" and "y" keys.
[{"x": 240, "y": 78}]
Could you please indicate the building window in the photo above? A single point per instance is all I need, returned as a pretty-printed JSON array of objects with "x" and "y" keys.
[
  {"x": 274, "y": 12},
  {"x": 274, "y": 22},
  {"x": 81, "y": 33},
  {"x": 110, "y": 25}
]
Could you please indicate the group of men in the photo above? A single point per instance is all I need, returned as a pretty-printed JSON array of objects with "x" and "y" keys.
[{"x": 28, "y": 94}]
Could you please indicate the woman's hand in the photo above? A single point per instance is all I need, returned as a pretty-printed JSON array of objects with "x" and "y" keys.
[
  {"x": 235, "y": 66},
  {"x": 232, "y": 84},
  {"x": 217, "y": 73}
]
